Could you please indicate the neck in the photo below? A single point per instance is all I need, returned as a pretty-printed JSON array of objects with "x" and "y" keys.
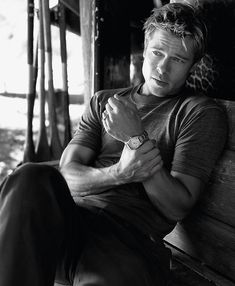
[{"x": 140, "y": 98}]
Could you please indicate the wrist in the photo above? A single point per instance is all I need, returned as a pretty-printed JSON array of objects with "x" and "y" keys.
[
  {"x": 136, "y": 141},
  {"x": 116, "y": 172},
  {"x": 120, "y": 176}
]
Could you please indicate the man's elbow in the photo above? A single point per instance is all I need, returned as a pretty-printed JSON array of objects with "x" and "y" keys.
[
  {"x": 175, "y": 215},
  {"x": 177, "y": 211}
]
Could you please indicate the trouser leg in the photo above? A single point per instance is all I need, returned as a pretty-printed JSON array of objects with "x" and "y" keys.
[{"x": 35, "y": 206}]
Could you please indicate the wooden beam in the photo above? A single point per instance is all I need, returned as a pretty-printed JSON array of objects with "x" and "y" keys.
[
  {"x": 87, "y": 24},
  {"x": 54, "y": 140},
  {"x": 29, "y": 152},
  {"x": 42, "y": 146},
  {"x": 73, "y": 5},
  {"x": 65, "y": 95}
]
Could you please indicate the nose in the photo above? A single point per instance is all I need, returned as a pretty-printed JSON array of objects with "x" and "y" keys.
[{"x": 162, "y": 66}]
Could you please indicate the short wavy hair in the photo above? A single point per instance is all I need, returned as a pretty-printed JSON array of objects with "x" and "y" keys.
[{"x": 183, "y": 21}]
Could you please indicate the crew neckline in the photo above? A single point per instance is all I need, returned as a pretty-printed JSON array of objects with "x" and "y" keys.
[{"x": 153, "y": 100}]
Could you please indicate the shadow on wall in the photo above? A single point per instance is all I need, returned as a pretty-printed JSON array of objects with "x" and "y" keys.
[{"x": 220, "y": 18}]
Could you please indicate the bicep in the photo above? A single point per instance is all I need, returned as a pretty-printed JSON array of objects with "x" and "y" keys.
[
  {"x": 200, "y": 143},
  {"x": 77, "y": 153},
  {"x": 193, "y": 185}
]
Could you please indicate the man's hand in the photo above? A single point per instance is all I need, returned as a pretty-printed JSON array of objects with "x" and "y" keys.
[
  {"x": 139, "y": 165},
  {"x": 121, "y": 119}
]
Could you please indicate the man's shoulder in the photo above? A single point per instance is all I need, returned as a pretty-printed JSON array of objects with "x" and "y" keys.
[{"x": 199, "y": 102}]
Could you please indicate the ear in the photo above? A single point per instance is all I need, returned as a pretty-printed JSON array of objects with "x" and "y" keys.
[{"x": 144, "y": 52}]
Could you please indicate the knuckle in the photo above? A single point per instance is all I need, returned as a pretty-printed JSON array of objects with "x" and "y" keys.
[
  {"x": 158, "y": 156},
  {"x": 117, "y": 96},
  {"x": 110, "y": 100}
]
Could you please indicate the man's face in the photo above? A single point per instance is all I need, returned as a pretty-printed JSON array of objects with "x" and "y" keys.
[{"x": 167, "y": 63}]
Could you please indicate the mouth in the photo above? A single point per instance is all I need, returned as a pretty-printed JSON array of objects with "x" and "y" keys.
[{"x": 159, "y": 82}]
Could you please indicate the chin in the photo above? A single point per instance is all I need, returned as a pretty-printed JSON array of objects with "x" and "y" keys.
[{"x": 159, "y": 92}]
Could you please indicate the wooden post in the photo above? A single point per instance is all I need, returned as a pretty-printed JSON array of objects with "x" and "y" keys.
[
  {"x": 106, "y": 44},
  {"x": 42, "y": 146},
  {"x": 29, "y": 153},
  {"x": 65, "y": 95},
  {"x": 87, "y": 24},
  {"x": 55, "y": 144}
]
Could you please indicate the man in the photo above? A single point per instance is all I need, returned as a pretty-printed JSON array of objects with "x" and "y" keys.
[{"x": 137, "y": 164}]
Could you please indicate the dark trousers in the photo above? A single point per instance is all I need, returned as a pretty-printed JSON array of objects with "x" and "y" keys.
[
  {"x": 42, "y": 231},
  {"x": 37, "y": 215}
]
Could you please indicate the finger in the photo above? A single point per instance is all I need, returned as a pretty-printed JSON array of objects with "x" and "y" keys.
[
  {"x": 157, "y": 168},
  {"x": 153, "y": 170},
  {"x": 153, "y": 153},
  {"x": 109, "y": 109},
  {"x": 118, "y": 97},
  {"x": 148, "y": 145},
  {"x": 104, "y": 114},
  {"x": 115, "y": 103},
  {"x": 105, "y": 121},
  {"x": 125, "y": 102},
  {"x": 152, "y": 163}
]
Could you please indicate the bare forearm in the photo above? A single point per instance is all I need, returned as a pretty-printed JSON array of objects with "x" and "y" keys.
[
  {"x": 85, "y": 180},
  {"x": 168, "y": 194}
]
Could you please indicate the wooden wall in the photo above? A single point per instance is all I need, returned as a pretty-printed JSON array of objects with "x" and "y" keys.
[{"x": 208, "y": 233}]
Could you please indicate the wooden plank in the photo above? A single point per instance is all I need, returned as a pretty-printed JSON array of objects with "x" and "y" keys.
[
  {"x": 73, "y": 5},
  {"x": 186, "y": 269},
  {"x": 208, "y": 240},
  {"x": 181, "y": 275},
  {"x": 230, "y": 110},
  {"x": 218, "y": 199}
]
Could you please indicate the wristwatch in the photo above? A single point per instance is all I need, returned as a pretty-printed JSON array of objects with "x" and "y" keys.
[{"x": 136, "y": 141}]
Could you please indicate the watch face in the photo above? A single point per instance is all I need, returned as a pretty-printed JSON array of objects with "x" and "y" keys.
[{"x": 134, "y": 143}]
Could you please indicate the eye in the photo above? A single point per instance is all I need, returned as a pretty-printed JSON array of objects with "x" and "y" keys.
[
  {"x": 178, "y": 60},
  {"x": 156, "y": 53}
]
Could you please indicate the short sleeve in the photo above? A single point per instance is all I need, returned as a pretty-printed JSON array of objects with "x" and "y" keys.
[
  {"x": 89, "y": 128},
  {"x": 200, "y": 142}
]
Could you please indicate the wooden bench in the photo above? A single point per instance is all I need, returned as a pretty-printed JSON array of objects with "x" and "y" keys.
[{"x": 203, "y": 245}]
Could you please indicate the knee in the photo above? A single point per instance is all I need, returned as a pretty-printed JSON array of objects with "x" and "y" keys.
[
  {"x": 32, "y": 171},
  {"x": 32, "y": 180}
]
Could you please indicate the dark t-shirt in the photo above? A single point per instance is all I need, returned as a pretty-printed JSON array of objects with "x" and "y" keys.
[{"x": 190, "y": 131}]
